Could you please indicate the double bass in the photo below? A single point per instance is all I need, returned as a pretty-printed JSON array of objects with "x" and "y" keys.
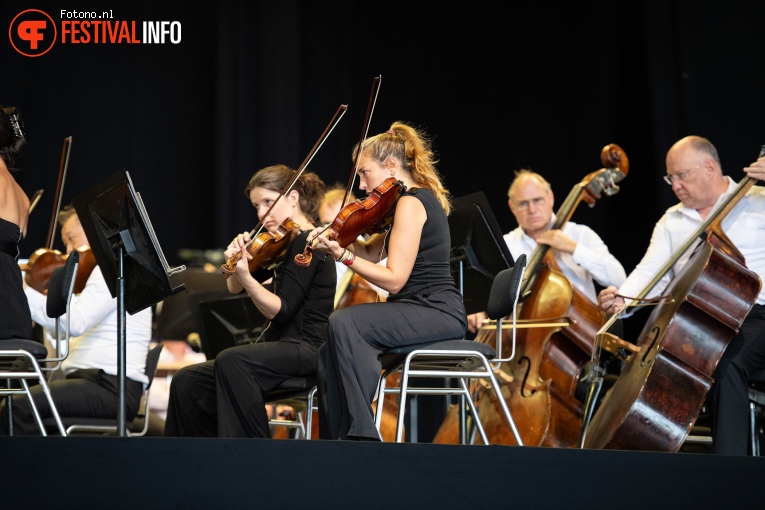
[
  {"x": 556, "y": 327},
  {"x": 660, "y": 392}
]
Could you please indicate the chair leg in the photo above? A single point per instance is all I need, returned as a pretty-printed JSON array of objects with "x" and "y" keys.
[
  {"x": 754, "y": 428},
  {"x": 9, "y": 408},
  {"x": 32, "y": 404},
  {"x": 380, "y": 401},
  {"x": 506, "y": 410},
  {"x": 309, "y": 413},
  {"x": 404, "y": 384},
  {"x": 53, "y": 409},
  {"x": 465, "y": 396}
]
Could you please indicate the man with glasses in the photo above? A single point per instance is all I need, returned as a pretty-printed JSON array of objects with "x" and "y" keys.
[
  {"x": 580, "y": 253},
  {"x": 695, "y": 174}
]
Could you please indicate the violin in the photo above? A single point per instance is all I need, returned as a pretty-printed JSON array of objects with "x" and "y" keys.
[
  {"x": 370, "y": 215},
  {"x": 367, "y": 216},
  {"x": 266, "y": 249},
  {"x": 45, "y": 261}
]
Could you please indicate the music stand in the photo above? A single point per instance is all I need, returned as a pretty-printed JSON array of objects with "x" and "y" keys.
[
  {"x": 478, "y": 251},
  {"x": 177, "y": 317},
  {"x": 229, "y": 322},
  {"x": 116, "y": 224}
]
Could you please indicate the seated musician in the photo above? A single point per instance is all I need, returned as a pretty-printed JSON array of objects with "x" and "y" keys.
[
  {"x": 89, "y": 386},
  {"x": 695, "y": 173},
  {"x": 424, "y": 303},
  {"x": 225, "y": 397},
  {"x": 581, "y": 254}
]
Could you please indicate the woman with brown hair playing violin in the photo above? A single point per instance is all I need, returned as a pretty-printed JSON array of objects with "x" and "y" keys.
[
  {"x": 90, "y": 386},
  {"x": 225, "y": 396},
  {"x": 423, "y": 305}
]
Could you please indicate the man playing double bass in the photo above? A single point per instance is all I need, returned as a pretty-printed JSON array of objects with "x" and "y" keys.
[
  {"x": 580, "y": 253},
  {"x": 695, "y": 174}
]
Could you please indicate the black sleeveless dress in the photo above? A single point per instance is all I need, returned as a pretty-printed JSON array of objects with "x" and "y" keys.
[{"x": 15, "y": 319}]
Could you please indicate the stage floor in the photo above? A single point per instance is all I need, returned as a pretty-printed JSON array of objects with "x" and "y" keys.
[{"x": 147, "y": 472}]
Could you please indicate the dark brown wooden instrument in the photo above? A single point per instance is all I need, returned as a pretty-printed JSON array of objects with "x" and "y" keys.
[
  {"x": 266, "y": 249},
  {"x": 556, "y": 328},
  {"x": 659, "y": 394},
  {"x": 370, "y": 215}
]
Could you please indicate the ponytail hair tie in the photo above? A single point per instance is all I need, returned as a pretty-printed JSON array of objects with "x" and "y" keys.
[{"x": 17, "y": 132}]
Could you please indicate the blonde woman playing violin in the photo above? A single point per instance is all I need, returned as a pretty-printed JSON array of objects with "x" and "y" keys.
[{"x": 424, "y": 303}]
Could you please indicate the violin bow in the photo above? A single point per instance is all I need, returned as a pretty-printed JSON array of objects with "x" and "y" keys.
[
  {"x": 376, "y": 82},
  {"x": 35, "y": 199},
  {"x": 63, "y": 166},
  {"x": 330, "y": 127}
]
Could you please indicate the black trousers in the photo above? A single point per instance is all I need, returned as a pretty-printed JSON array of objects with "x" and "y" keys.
[
  {"x": 349, "y": 368},
  {"x": 226, "y": 397},
  {"x": 89, "y": 393},
  {"x": 729, "y": 395}
]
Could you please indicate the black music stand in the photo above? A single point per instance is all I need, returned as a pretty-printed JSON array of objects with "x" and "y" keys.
[
  {"x": 478, "y": 254},
  {"x": 478, "y": 251},
  {"x": 116, "y": 224},
  {"x": 177, "y": 317}
]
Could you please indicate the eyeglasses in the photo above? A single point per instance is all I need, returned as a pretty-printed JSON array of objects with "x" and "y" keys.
[
  {"x": 524, "y": 204},
  {"x": 681, "y": 177}
]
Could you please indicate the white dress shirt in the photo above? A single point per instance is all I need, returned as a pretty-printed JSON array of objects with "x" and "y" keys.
[
  {"x": 93, "y": 328},
  {"x": 590, "y": 261},
  {"x": 744, "y": 226}
]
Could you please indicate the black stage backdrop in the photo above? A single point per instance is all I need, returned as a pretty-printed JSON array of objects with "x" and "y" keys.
[{"x": 543, "y": 85}]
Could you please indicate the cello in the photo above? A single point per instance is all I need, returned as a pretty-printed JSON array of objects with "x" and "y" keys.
[
  {"x": 556, "y": 329},
  {"x": 660, "y": 392}
]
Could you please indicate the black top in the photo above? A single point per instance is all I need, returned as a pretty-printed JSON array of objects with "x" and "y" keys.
[
  {"x": 307, "y": 294},
  {"x": 431, "y": 274},
  {"x": 15, "y": 318}
]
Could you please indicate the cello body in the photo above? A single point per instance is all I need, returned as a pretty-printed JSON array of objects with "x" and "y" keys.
[
  {"x": 540, "y": 381},
  {"x": 659, "y": 394}
]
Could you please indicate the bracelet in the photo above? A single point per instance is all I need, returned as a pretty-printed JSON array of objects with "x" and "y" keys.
[
  {"x": 351, "y": 257},
  {"x": 345, "y": 256}
]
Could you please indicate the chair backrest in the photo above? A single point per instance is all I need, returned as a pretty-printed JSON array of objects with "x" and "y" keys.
[
  {"x": 503, "y": 299},
  {"x": 152, "y": 360},
  {"x": 61, "y": 286},
  {"x": 58, "y": 301}
]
